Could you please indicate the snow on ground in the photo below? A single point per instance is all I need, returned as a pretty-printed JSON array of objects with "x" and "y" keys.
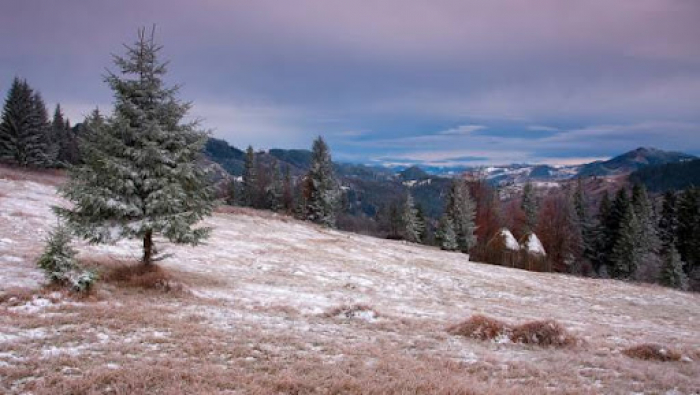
[{"x": 275, "y": 275}]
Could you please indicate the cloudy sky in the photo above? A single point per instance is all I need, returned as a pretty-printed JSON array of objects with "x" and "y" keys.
[{"x": 391, "y": 81}]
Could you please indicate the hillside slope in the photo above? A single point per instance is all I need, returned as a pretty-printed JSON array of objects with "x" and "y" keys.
[
  {"x": 631, "y": 161},
  {"x": 258, "y": 317}
]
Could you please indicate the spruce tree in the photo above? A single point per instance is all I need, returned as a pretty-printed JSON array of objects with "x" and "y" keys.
[
  {"x": 250, "y": 179},
  {"x": 529, "y": 207},
  {"x": 63, "y": 139},
  {"x": 600, "y": 254},
  {"x": 140, "y": 177},
  {"x": 287, "y": 190},
  {"x": 611, "y": 226},
  {"x": 322, "y": 187},
  {"x": 668, "y": 222},
  {"x": 275, "y": 189},
  {"x": 461, "y": 209},
  {"x": 24, "y": 128},
  {"x": 411, "y": 227},
  {"x": 672, "y": 274},
  {"x": 59, "y": 264},
  {"x": 422, "y": 224},
  {"x": 627, "y": 252},
  {"x": 446, "y": 236},
  {"x": 583, "y": 224},
  {"x": 688, "y": 232}
]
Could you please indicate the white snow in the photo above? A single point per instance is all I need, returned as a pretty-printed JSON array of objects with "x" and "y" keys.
[{"x": 255, "y": 263}]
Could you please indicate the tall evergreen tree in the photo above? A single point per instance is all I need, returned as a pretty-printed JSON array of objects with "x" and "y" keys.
[
  {"x": 140, "y": 177},
  {"x": 668, "y": 222},
  {"x": 627, "y": 252},
  {"x": 24, "y": 128},
  {"x": 287, "y": 190},
  {"x": 600, "y": 254},
  {"x": 42, "y": 126},
  {"x": 63, "y": 139},
  {"x": 446, "y": 236},
  {"x": 611, "y": 227},
  {"x": 672, "y": 274},
  {"x": 411, "y": 227},
  {"x": 275, "y": 189},
  {"x": 583, "y": 224},
  {"x": 422, "y": 224},
  {"x": 461, "y": 209},
  {"x": 689, "y": 228},
  {"x": 529, "y": 207},
  {"x": 250, "y": 179},
  {"x": 323, "y": 192},
  {"x": 650, "y": 244}
]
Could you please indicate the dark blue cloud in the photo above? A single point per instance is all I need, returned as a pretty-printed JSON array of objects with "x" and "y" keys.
[{"x": 498, "y": 81}]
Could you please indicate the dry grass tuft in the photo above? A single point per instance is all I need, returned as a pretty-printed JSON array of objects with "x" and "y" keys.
[
  {"x": 17, "y": 296},
  {"x": 151, "y": 277},
  {"x": 548, "y": 333},
  {"x": 480, "y": 327},
  {"x": 543, "y": 333},
  {"x": 653, "y": 352},
  {"x": 352, "y": 311}
]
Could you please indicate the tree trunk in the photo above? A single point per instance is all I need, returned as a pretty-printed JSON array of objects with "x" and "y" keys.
[{"x": 147, "y": 248}]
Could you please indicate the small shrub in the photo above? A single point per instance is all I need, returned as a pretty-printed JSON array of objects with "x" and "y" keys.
[
  {"x": 480, "y": 327},
  {"x": 59, "y": 264},
  {"x": 542, "y": 333},
  {"x": 360, "y": 311},
  {"x": 653, "y": 352}
]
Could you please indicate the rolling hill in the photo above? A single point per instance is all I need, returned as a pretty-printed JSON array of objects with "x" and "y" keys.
[{"x": 273, "y": 305}]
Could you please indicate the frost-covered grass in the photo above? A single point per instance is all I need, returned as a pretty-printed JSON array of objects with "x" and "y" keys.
[{"x": 272, "y": 305}]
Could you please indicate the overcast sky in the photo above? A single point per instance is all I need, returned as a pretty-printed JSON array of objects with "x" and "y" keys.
[{"x": 394, "y": 81}]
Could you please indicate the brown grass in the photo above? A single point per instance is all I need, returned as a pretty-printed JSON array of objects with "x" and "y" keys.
[
  {"x": 653, "y": 352},
  {"x": 480, "y": 327},
  {"x": 349, "y": 311},
  {"x": 548, "y": 333},
  {"x": 53, "y": 177},
  {"x": 151, "y": 277}
]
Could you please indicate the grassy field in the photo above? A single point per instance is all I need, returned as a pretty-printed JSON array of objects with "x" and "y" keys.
[{"x": 272, "y": 305}]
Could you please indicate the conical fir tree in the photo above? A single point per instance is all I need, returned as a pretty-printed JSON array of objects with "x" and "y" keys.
[
  {"x": 140, "y": 177},
  {"x": 24, "y": 127},
  {"x": 628, "y": 250},
  {"x": 250, "y": 179},
  {"x": 322, "y": 188},
  {"x": 462, "y": 209},
  {"x": 411, "y": 226},
  {"x": 672, "y": 274},
  {"x": 446, "y": 236},
  {"x": 275, "y": 189},
  {"x": 529, "y": 207}
]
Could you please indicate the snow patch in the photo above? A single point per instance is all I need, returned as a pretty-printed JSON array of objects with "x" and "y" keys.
[{"x": 509, "y": 239}]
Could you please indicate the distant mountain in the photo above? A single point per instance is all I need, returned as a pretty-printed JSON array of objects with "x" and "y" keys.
[
  {"x": 229, "y": 157},
  {"x": 631, "y": 161},
  {"x": 413, "y": 173},
  {"x": 671, "y": 176},
  {"x": 369, "y": 188}
]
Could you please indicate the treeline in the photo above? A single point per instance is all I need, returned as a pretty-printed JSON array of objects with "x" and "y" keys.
[
  {"x": 315, "y": 197},
  {"x": 29, "y": 138},
  {"x": 672, "y": 176},
  {"x": 627, "y": 236}
]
